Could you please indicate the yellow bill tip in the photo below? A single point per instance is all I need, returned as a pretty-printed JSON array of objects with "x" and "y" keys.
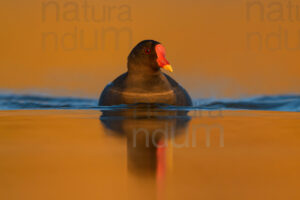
[{"x": 168, "y": 68}]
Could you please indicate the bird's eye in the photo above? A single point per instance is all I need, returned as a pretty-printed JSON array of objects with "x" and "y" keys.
[{"x": 147, "y": 51}]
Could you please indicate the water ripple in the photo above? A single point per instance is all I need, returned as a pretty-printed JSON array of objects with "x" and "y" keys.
[{"x": 275, "y": 103}]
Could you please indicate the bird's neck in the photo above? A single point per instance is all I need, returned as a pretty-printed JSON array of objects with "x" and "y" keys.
[
  {"x": 146, "y": 79},
  {"x": 142, "y": 70}
]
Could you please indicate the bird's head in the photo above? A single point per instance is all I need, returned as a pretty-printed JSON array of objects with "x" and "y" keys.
[{"x": 148, "y": 54}]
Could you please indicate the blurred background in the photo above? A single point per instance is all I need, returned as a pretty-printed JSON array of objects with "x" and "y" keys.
[{"x": 232, "y": 49}]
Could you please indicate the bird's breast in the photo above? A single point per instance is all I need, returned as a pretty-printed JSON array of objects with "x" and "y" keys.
[{"x": 165, "y": 97}]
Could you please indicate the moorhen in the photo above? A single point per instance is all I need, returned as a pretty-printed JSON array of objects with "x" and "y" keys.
[{"x": 144, "y": 82}]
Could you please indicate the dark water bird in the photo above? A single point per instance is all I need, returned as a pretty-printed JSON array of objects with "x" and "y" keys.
[{"x": 144, "y": 82}]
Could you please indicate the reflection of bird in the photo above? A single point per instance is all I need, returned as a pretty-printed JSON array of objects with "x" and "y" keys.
[
  {"x": 146, "y": 129},
  {"x": 149, "y": 132},
  {"x": 144, "y": 82}
]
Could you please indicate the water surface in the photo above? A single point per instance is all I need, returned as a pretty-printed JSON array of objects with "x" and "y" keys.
[
  {"x": 149, "y": 153},
  {"x": 289, "y": 102}
]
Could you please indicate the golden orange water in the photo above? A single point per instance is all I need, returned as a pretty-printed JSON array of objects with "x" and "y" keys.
[{"x": 61, "y": 154}]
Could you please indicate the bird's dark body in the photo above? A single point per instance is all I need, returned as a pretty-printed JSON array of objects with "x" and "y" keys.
[
  {"x": 144, "y": 82},
  {"x": 122, "y": 92}
]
